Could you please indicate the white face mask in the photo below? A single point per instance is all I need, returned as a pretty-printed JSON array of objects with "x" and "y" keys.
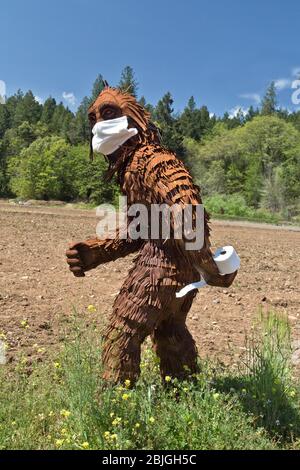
[{"x": 111, "y": 134}]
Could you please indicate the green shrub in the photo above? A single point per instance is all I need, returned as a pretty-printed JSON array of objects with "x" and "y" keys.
[
  {"x": 52, "y": 169},
  {"x": 234, "y": 206}
]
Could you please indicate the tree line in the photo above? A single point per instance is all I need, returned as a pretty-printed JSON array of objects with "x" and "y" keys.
[{"x": 246, "y": 164}]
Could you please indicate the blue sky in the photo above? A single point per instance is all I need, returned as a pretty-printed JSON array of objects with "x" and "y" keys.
[{"x": 224, "y": 53}]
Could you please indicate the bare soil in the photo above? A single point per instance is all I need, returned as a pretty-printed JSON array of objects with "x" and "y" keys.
[{"x": 38, "y": 293}]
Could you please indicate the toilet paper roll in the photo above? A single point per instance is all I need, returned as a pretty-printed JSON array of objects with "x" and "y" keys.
[
  {"x": 194, "y": 285},
  {"x": 227, "y": 260}
]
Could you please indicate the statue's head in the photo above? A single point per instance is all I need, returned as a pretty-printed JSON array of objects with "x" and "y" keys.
[{"x": 117, "y": 118}]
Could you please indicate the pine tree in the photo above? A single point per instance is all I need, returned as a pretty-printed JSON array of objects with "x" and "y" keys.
[
  {"x": 11, "y": 105},
  {"x": 142, "y": 101},
  {"x": 28, "y": 109},
  {"x": 251, "y": 114},
  {"x": 194, "y": 122},
  {"x": 188, "y": 119},
  {"x": 48, "y": 110},
  {"x": 191, "y": 104},
  {"x": 164, "y": 110},
  {"x": 4, "y": 119},
  {"x": 147, "y": 106},
  {"x": 80, "y": 128},
  {"x": 169, "y": 125},
  {"x": 97, "y": 87},
  {"x": 269, "y": 101},
  {"x": 61, "y": 119},
  {"x": 128, "y": 82},
  {"x": 205, "y": 120}
]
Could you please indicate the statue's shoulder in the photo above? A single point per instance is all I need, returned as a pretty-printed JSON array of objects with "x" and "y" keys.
[
  {"x": 141, "y": 157},
  {"x": 154, "y": 159}
]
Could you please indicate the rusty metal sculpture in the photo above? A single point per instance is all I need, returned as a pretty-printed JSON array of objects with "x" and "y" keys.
[{"x": 147, "y": 305}]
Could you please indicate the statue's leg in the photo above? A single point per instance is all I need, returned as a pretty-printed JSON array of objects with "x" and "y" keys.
[
  {"x": 174, "y": 344},
  {"x": 147, "y": 305},
  {"x": 134, "y": 317}
]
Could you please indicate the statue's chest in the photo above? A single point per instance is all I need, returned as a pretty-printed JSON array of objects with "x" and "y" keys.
[{"x": 133, "y": 185}]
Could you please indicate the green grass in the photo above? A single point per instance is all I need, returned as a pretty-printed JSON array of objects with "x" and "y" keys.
[{"x": 63, "y": 403}]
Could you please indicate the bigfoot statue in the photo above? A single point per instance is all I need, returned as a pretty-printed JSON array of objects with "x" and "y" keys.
[{"x": 147, "y": 304}]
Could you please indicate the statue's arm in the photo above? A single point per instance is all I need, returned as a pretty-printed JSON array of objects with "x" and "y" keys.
[
  {"x": 88, "y": 254},
  {"x": 169, "y": 182}
]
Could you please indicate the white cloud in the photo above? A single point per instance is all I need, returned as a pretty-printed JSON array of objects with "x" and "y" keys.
[
  {"x": 282, "y": 83},
  {"x": 236, "y": 110},
  {"x": 39, "y": 99},
  {"x": 296, "y": 72},
  {"x": 2, "y": 92},
  {"x": 251, "y": 96},
  {"x": 69, "y": 98}
]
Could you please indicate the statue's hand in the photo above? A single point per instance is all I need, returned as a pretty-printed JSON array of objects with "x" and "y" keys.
[
  {"x": 219, "y": 280},
  {"x": 81, "y": 257}
]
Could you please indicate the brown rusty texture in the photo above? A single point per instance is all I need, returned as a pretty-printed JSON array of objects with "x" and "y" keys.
[{"x": 147, "y": 305}]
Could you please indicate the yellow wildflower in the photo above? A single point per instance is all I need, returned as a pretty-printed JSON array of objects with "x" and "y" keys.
[
  {"x": 59, "y": 442},
  {"x": 116, "y": 421},
  {"x": 168, "y": 378},
  {"x": 151, "y": 420},
  {"x": 65, "y": 413},
  {"x": 92, "y": 308},
  {"x": 125, "y": 396},
  {"x": 127, "y": 383},
  {"x": 85, "y": 445}
]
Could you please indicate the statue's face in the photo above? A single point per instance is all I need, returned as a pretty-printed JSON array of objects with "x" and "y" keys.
[
  {"x": 104, "y": 113},
  {"x": 112, "y": 104}
]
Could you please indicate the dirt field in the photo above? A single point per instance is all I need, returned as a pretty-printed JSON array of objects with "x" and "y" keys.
[{"x": 36, "y": 286}]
